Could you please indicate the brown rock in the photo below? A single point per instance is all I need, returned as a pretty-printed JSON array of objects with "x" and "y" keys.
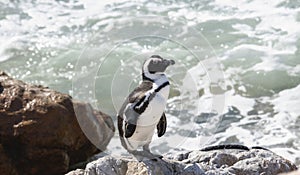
[
  {"x": 6, "y": 166},
  {"x": 39, "y": 132}
]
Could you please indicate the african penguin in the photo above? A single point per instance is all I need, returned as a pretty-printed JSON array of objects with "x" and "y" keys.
[{"x": 143, "y": 110}]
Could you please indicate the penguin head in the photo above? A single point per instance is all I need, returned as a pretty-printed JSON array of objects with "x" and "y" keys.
[{"x": 156, "y": 65}]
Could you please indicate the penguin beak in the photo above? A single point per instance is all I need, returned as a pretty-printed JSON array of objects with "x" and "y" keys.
[
  {"x": 169, "y": 62},
  {"x": 172, "y": 62}
]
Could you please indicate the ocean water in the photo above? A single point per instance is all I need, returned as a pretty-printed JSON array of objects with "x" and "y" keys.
[{"x": 237, "y": 72}]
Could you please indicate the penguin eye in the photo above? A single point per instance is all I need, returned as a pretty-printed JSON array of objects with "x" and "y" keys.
[
  {"x": 157, "y": 61},
  {"x": 154, "y": 61}
]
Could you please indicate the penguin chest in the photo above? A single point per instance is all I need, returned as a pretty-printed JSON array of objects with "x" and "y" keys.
[{"x": 153, "y": 112}]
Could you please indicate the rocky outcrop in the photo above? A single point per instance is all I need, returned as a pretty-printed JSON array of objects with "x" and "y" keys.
[
  {"x": 292, "y": 173},
  {"x": 213, "y": 161},
  {"x": 39, "y": 131}
]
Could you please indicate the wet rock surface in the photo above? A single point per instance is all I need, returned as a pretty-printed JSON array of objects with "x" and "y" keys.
[
  {"x": 212, "y": 161},
  {"x": 39, "y": 131}
]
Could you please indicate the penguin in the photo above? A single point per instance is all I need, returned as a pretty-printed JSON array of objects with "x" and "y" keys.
[{"x": 143, "y": 110}]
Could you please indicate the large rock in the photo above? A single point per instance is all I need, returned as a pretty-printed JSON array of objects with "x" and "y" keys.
[
  {"x": 292, "y": 173},
  {"x": 212, "y": 161},
  {"x": 39, "y": 132}
]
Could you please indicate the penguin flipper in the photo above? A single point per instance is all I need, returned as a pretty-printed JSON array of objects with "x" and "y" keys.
[
  {"x": 129, "y": 129},
  {"x": 162, "y": 125},
  {"x": 130, "y": 121},
  {"x": 121, "y": 132}
]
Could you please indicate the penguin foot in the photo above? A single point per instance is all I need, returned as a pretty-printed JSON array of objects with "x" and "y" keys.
[
  {"x": 139, "y": 155},
  {"x": 157, "y": 156},
  {"x": 152, "y": 156}
]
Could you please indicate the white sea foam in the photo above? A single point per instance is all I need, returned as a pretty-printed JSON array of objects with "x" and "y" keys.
[{"x": 256, "y": 42}]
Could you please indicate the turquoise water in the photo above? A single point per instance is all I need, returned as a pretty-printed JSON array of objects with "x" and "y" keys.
[{"x": 236, "y": 78}]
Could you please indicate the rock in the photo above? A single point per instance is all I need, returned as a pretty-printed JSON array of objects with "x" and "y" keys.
[
  {"x": 1, "y": 88},
  {"x": 39, "y": 132},
  {"x": 292, "y": 173},
  {"x": 211, "y": 162},
  {"x": 75, "y": 172},
  {"x": 6, "y": 165}
]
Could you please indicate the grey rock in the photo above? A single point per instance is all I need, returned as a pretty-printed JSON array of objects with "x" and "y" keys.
[
  {"x": 292, "y": 173},
  {"x": 213, "y": 162},
  {"x": 76, "y": 172}
]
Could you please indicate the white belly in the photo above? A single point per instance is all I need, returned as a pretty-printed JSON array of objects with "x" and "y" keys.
[
  {"x": 142, "y": 136},
  {"x": 147, "y": 121},
  {"x": 153, "y": 112}
]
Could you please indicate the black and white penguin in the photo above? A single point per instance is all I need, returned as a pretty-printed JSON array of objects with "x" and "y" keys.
[{"x": 143, "y": 110}]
